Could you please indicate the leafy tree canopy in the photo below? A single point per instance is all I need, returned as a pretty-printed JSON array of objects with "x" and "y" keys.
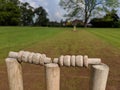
[
  {"x": 9, "y": 13},
  {"x": 27, "y": 14},
  {"x": 111, "y": 19},
  {"x": 85, "y": 9},
  {"x": 41, "y": 16}
]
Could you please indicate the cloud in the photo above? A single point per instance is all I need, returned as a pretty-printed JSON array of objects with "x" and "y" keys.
[
  {"x": 33, "y": 4},
  {"x": 36, "y": 3},
  {"x": 46, "y": 4},
  {"x": 55, "y": 13},
  {"x": 58, "y": 14},
  {"x": 41, "y": 0}
]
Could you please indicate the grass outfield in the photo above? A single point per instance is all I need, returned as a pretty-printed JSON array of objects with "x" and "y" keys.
[
  {"x": 17, "y": 38},
  {"x": 101, "y": 43}
]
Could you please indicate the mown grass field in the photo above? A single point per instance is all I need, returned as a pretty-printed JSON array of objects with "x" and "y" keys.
[{"x": 102, "y": 43}]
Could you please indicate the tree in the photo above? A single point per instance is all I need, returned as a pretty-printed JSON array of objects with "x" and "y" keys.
[
  {"x": 41, "y": 16},
  {"x": 85, "y": 9},
  {"x": 16, "y": 2},
  {"x": 9, "y": 13},
  {"x": 112, "y": 15},
  {"x": 111, "y": 19},
  {"x": 27, "y": 14}
]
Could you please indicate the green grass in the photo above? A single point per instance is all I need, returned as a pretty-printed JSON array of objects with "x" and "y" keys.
[
  {"x": 17, "y": 38},
  {"x": 111, "y": 36}
]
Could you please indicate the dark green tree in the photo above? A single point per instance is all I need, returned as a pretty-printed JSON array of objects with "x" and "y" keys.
[
  {"x": 27, "y": 14},
  {"x": 111, "y": 19},
  {"x": 9, "y": 13},
  {"x": 12, "y": 12},
  {"x": 41, "y": 17},
  {"x": 113, "y": 15},
  {"x": 16, "y": 2}
]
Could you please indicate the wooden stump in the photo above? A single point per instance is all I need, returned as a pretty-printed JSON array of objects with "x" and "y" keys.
[
  {"x": 99, "y": 75},
  {"x": 52, "y": 72},
  {"x": 14, "y": 70}
]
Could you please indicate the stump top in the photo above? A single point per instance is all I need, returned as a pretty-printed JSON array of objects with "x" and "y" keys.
[
  {"x": 51, "y": 65},
  {"x": 101, "y": 66}
]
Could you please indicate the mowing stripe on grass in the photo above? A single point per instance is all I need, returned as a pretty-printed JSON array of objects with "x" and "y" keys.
[
  {"x": 16, "y": 38},
  {"x": 106, "y": 35}
]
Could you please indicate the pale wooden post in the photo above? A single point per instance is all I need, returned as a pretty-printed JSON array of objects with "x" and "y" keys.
[
  {"x": 52, "y": 72},
  {"x": 99, "y": 75},
  {"x": 14, "y": 70},
  {"x": 74, "y": 28}
]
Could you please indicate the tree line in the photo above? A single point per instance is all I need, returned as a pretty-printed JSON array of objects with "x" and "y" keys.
[
  {"x": 111, "y": 19},
  {"x": 14, "y": 12}
]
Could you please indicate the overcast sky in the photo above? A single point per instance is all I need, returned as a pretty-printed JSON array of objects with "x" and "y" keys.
[
  {"x": 55, "y": 12},
  {"x": 51, "y": 6}
]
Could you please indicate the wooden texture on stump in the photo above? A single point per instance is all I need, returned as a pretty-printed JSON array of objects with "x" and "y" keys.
[
  {"x": 52, "y": 72},
  {"x": 14, "y": 70},
  {"x": 99, "y": 75}
]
